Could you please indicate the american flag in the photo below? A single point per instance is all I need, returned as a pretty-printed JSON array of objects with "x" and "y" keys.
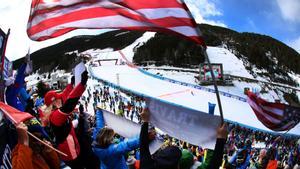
[
  {"x": 275, "y": 116},
  {"x": 52, "y": 18}
]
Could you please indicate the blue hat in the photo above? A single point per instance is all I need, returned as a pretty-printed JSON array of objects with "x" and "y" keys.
[{"x": 34, "y": 126}]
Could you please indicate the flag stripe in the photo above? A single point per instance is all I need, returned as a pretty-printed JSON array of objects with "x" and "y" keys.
[
  {"x": 265, "y": 115},
  {"x": 39, "y": 23},
  {"x": 57, "y": 7},
  {"x": 276, "y": 113},
  {"x": 287, "y": 126},
  {"x": 273, "y": 112},
  {"x": 142, "y": 4},
  {"x": 103, "y": 22},
  {"x": 55, "y": 33},
  {"x": 262, "y": 119},
  {"x": 158, "y": 13},
  {"x": 94, "y": 9},
  {"x": 134, "y": 5},
  {"x": 48, "y": 20},
  {"x": 275, "y": 116}
]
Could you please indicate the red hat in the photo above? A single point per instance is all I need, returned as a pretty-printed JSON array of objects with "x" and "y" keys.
[{"x": 50, "y": 97}]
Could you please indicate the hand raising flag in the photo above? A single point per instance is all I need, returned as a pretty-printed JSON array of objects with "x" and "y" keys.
[
  {"x": 275, "y": 116},
  {"x": 16, "y": 116},
  {"x": 52, "y": 18}
]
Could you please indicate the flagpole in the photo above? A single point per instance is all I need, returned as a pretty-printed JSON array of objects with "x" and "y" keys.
[
  {"x": 41, "y": 141},
  {"x": 215, "y": 86},
  {"x": 47, "y": 145},
  {"x": 3, "y": 52},
  {"x": 209, "y": 64}
]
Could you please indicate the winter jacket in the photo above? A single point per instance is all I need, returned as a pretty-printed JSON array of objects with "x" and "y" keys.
[
  {"x": 24, "y": 158},
  {"x": 146, "y": 161},
  {"x": 217, "y": 157},
  {"x": 8, "y": 141},
  {"x": 61, "y": 125},
  {"x": 64, "y": 95},
  {"x": 242, "y": 166},
  {"x": 112, "y": 157},
  {"x": 12, "y": 91},
  {"x": 23, "y": 96},
  {"x": 88, "y": 159}
]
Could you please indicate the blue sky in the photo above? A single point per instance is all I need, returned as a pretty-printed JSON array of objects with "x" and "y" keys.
[
  {"x": 261, "y": 16},
  {"x": 277, "y": 18}
]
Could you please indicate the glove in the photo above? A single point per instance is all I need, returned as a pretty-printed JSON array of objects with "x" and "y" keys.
[
  {"x": 30, "y": 103},
  {"x": 84, "y": 77},
  {"x": 73, "y": 80},
  {"x": 81, "y": 109}
]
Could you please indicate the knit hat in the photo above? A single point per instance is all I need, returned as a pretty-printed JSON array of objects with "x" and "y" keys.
[
  {"x": 186, "y": 160},
  {"x": 168, "y": 157},
  {"x": 34, "y": 126},
  {"x": 50, "y": 97}
]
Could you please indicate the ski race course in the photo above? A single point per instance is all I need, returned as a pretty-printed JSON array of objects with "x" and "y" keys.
[
  {"x": 132, "y": 79},
  {"x": 141, "y": 82}
]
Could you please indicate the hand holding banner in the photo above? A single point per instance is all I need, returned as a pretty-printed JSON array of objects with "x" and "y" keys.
[
  {"x": 127, "y": 128},
  {"x": 78, "y": 71},
  {"x": 189, "y": 125}
]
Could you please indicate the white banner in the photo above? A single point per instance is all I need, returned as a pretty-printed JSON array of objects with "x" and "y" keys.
[
  {"x": 127, "y": 128},
  {"x": 78, "y": 71},
  {"x": 185, "y": 124}
]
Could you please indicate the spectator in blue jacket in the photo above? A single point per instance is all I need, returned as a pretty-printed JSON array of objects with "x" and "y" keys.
[
  {"x": 14, "y": 87},
  {"x": 111, "y": 155},
  {"x": 241, "y": 159}
]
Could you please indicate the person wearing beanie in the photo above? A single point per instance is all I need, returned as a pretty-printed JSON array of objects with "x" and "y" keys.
[
  {"x": 31, "y": 154},
  {"x": 111, "y": 154},
  {"x": 216, "y": 160},
  {"x": 186, "y": 160},
  {"x": 14, "y": 85},
  {"x": 57, "y": 116},
  {"x": 167, "y": 158},
  {"x": 83, "y": 132},
  {"x": 57, "y": 99}
]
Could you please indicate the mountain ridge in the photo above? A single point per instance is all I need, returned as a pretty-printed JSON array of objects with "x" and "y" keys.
[{"x": 258, "y": 52}]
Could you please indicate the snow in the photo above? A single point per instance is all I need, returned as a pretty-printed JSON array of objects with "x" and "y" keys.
[
  {"x": 295, "y": 77},
  {"x": 133, "y": 79},
  {"x": 234, "y": 110},
  {"x": 129, "y": 50},
  {"x": 231, "y": 64},
  {"x": 122, "y": 33}
]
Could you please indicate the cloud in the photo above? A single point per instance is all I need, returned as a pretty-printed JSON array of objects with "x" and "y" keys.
[
  {"x": 290, "y": 10},
  {"x": 14, "y": 14},
  {"x": 202, "y": 10},
  {"x": 295, "y": 44}
]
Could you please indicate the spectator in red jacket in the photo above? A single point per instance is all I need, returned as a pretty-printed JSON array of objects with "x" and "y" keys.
[{"x": 59, "y": 107}]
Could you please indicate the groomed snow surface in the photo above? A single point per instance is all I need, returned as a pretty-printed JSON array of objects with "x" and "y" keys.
[{"x": 133, "y": 79}]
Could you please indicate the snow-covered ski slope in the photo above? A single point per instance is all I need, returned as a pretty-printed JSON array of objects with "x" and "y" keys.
[{"x": 131, "y": 78}]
